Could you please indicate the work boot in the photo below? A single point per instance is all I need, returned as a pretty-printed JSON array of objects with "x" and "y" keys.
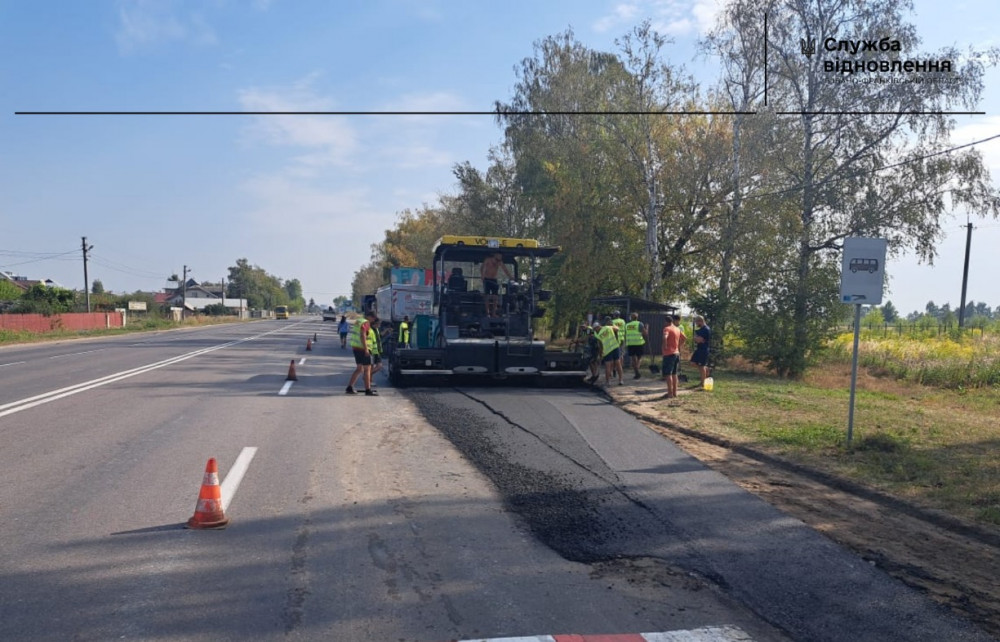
[
  {"x": 350, "y": 391},
  {"x": 371, "y": 393}
]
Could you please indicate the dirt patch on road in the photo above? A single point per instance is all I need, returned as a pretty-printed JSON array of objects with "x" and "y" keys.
[{"x": 955, "y": 562}]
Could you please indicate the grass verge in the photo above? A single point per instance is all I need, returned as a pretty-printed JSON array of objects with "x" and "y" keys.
[{"x": 935, "y": 447}]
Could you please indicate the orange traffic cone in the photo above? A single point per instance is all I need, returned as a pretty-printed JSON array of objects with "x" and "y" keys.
[
  {"x": 291, "y": 372},
  {"x": 208, "y": 511},
  {"x": 309, "y": 344}
]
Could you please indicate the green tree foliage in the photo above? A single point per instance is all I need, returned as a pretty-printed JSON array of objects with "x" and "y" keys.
[
  {"x": 293, "y": 290},
  {"x": 97, "y": 287},
  {"x": 874, "y": 319},
  {"x": 365, "y": 282},
  {"x": 262, "y": 291},
  {"x": 409, "y": 243},
  {"x": 217, "y": 310},
  {"x": 743, "y": 214},
  {"x": 889, "y": 312},
  {"x": 45, "y": 300},
  {"x": 838, "y": 181},
  {"x": 9, "y": 291},
  {"x": 494, "y": 203},
  {"x": 569, "y": 165}
]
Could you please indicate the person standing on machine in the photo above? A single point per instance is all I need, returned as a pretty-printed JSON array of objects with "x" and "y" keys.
[{"x": 491, "y": 286}]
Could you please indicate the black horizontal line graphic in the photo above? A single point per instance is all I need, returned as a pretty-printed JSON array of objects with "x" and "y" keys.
[
  {"x": 880, "y": 113},
  {"x": 379, "y": 113}
]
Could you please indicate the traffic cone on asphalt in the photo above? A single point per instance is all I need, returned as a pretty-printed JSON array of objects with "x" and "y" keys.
[
  {"x": 309, "y": 344},
  {"x": 208, "y": 511},
  {"x": 314, "y": 338},
  {"x": 291, "y": 372}
]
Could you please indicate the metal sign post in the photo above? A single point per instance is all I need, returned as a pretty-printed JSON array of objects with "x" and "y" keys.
[
  {"x": 854, "y": 373},
  {"x": 861, "y": 276}
]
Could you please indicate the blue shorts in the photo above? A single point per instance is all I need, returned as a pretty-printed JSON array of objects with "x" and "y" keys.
[
  {"x": 612, "y": 356},
  {"x": 670, "y": 362}
]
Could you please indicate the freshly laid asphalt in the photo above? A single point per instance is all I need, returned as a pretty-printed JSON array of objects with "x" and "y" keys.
[{"x": 594, "y": 484}]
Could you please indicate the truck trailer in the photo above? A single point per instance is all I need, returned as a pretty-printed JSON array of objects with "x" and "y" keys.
[{"x": 484, "y": 328}]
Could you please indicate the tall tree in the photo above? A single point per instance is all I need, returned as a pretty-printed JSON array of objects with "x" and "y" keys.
[
  {"x": 493, "y": 203},
  {"x": 889, "y": 312},
  {"x": 838, "y": 180}
]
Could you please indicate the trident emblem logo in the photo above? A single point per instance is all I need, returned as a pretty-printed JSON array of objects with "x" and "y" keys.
[{"x": 808, "y": 46}]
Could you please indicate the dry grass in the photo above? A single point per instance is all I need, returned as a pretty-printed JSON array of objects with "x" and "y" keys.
[{"x": 933, "y": 446}]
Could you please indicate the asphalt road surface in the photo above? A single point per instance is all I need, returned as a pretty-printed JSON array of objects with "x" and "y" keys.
[{"x": 421, "y": 514}]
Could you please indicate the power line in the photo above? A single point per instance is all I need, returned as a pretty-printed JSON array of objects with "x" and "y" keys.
[
  {"x": 40, "y": 257},
  {"x": 125, "y": 269},
  {"x": 866, "y": 172}
]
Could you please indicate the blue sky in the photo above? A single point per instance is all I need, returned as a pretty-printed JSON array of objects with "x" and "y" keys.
[{"x": 306, "y": 196}]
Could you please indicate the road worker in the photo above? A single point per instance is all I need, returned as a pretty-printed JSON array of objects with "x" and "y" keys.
[
  {"x": 635, "y": 341},
  {"x": 404, "y": 333},
  {"x": 619, "y": 324},
  {"x": 362, "y": 354},
  {"x": 610, "y": 350}
]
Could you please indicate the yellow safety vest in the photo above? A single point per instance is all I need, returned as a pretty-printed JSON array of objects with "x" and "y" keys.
[
  {"x": 404, "y": 333},
  {"x": 374, "y": 341},
  {"x": 356, "y": 342},
  {"x": 609, "y": 341},
  {"x": 620, "y": 324},
  {"x": 633, "y": 334}
]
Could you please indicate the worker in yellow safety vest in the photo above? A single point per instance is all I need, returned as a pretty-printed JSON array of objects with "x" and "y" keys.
[
  {"x": 619, "y": 324},
  {"x": 610, "y": 350},
  {"x": 375, "y": 347},
  {"x": 635, "y": 341},
  {"x": 404, "y": 333},
  {"x": 360, "y": 346}
]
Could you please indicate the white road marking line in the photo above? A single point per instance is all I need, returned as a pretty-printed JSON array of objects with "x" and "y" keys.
[
  {"x": 37, "y": 400},
  {"x": 285, "y": 388},
  {"x": 725, "y": 633},
  {"x": 73, "y": 354},
  {"x": 235, "y": 475},
  {"x": 302, "y": 361},
  {"x": 15, "y": 363}
]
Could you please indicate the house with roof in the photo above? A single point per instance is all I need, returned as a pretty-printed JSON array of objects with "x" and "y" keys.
[
  {"x": 196, "y": 297},
  {"x": 25, "y": 284}
]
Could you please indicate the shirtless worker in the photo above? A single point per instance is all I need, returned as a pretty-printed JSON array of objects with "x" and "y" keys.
[{"x": 491, "y": 287}]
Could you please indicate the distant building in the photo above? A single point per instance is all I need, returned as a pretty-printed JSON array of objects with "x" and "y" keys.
[{"x": 197, "y": 297}]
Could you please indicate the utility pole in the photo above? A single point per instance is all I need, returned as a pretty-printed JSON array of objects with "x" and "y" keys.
[
  {"x": 184, "y": 292},
  {"x": 965, "y": 274},
  {"x": 86, "y": 279}
]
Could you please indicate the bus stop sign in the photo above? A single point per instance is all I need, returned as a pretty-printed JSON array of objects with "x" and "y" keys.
[{"x": 862, "y": 271}]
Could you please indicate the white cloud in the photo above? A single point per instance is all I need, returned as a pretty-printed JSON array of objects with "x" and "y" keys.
[
  {"x": 146, "y": 23},
  {"x": 329, "y": 139},
  {"x": 670, "y": 17},
  {"x": 621, "y": 14}
]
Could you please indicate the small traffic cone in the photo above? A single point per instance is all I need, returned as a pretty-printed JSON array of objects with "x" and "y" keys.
[
  {"x": 314, "y": 338},
  {"x": 309, "y": 344},
  {"x": 208, "y": 511},
  {"x": 291, "y": 372}
]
